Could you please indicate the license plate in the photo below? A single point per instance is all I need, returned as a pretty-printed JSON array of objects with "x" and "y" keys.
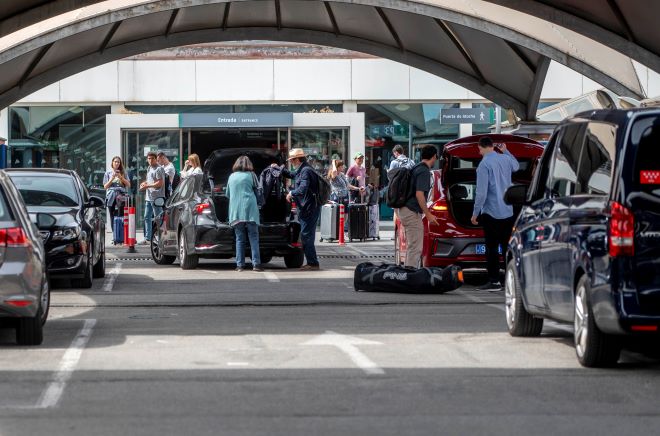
[
  {"x": 481, "y": 249},
  {"x": 649, "y": 177}
]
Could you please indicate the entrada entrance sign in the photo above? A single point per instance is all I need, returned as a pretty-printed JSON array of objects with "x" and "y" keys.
[
  {"x": 467, "y": 116},
  {"x": 274, "y": 119}
]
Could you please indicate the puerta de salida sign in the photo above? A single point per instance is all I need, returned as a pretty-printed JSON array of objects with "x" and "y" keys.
[
  {"x": 273, "y": 119},
  {"x": 467, "y": 116}
]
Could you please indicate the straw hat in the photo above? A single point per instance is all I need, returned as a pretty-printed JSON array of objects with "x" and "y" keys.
[{"x": 295, "y": 153}]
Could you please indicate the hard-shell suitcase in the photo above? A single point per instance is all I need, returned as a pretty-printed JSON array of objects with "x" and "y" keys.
[
  {"x": 330, "y": 222},
  {"x": 394, "y": 278},
  {"x": 358, "y": 221},
  {"x": 118, "y": 230},
  {"x": 374, "y": 221}
]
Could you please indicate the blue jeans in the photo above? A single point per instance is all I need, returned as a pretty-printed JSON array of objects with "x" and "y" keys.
[
  {"x": 308, "y": 235},
  {"x": 150, "y": 211},
  {"x": 253, "y": 235}
]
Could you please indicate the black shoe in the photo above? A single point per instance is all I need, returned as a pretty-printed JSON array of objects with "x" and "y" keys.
[{"x": 490, "y": 287}]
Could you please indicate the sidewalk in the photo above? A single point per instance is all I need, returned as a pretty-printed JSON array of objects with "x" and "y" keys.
[{"x": 379, "y": 248}]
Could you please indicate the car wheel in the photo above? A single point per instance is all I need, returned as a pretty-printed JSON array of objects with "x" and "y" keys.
[
  {"x": 518, "y": 320},
  {"x": 157, "y": 250},
  {"x": 30, "y": 331},
  {"x": 294, "y": 260},
  {"x": 86, "y": 281},
  {"x": 186, "y": 260},
  {"x": 99, "y": 268},
  {"x": 397, "y": 248},
  {"x": 45, "y": 299},
  {"x": 593, "y": 347},
  {"x": 266, "y": 259}
]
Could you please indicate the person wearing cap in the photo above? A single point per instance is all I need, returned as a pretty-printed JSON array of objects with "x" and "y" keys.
[
  {"x": 304, "y": 192},
  {"x": 358, "y": 170}
]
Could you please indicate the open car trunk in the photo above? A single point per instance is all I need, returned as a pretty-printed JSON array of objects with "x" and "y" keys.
[{"x": 218, "y": 168}]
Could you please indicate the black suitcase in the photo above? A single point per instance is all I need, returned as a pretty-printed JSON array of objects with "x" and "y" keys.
[
  {"x": 358, "y": 222},
  {"x": 394, "y": 278}
]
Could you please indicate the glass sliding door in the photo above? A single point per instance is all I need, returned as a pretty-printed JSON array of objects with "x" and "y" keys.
[{"x": 136, "y": 145}]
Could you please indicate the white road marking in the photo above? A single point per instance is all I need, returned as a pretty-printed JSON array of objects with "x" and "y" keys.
[
  {"x": 53, "y": 392},
  {"x": 271, "y": 277},
  {"x": 347, "y": 344},
  {"x": 238, "y": 364},
  {"x": 110, "y": 279},
  {"x": 209, "y": 271}
]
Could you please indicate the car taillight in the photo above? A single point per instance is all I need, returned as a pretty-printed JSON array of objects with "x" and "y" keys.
[
  {"x": 439, "y": 206},
  {"x": 622, "y": 231},
  {"x": 13, "y": 237},
  {"x": 202, "y": 207}
]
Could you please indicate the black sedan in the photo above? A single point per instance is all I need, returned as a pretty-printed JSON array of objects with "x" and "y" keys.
[
  {"x": 194, "y": 221},
  {"x": 75, "y": 242}
]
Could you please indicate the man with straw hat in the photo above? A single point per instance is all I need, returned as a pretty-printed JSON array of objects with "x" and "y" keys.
[{"x": 305, "y": 192}]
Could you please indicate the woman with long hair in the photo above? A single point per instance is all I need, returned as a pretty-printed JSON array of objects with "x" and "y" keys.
[
  {"x": 191, "y": 166},
  {"x": 244, "y": 211},
  {"x": 116, "y": 184},
  {"x": 339, "y": 183}
]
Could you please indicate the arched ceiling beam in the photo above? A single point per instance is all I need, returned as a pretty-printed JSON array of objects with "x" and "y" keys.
[
  {"x": 266, "y": 33},
  {"x": 536, "y": 88},
  {"x": 461, "y": 48}
]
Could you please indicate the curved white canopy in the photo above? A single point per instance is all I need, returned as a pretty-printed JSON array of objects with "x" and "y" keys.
[{"x": 497, "y": 52}]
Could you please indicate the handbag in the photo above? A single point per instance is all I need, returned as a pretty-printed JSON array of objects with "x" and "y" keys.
[{"x": 258, "y": 191}]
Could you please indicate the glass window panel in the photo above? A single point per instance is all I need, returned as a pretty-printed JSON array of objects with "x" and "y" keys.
[
  {"x": 645, "y": 137},
  {"x": 563, "y": 180},
  {"x": 321, "y": 146},
  {"x": 46, "y": 191},
  {"x": 596, "y": 161}
]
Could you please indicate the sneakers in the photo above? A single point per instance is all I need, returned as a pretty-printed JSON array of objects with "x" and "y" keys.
[
  {"x": 310, "y": 268},
  {"x": 490, "y": 287},
  {"x": 257, "y": 269},
  {"x": 239, "y": 268},
  {"x": 145, "y": 242}
]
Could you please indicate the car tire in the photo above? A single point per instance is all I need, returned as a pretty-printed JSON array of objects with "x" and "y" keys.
[
  {"x": 45, "y": 299},
  {"x": 30, "y": 331},
  {"x": 186, "y": 260},
  {"x": 592, "y": 347},
  {"x": 266, "y": 259},
  {"x": 157, "y": 249},
  {"x": 99, "y": 267},
  {"x": 294, "y": 260},
  {"x": 86, "y": 281},
  {"x": 519, "y": 322}
]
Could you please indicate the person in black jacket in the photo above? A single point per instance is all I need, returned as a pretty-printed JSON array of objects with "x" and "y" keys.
[{"x": 304, "y": 192}]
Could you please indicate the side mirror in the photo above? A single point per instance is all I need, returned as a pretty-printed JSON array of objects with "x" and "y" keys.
[
  {"x": 160, "y": 202},
  {"x": 95, "y": 201},
  {"x": 45, "y": 220},
  {"x": 516, "y": 195}
]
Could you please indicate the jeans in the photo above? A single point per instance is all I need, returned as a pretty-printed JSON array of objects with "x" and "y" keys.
[
  {"x": 150, "y": 211},
  {"x": 497, "y": 233},
  {"x": 253, "y": 235},
  {"x": 308, "y": 235}
]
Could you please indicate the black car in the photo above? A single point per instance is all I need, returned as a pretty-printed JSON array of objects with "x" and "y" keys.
[
  {"x": 194, "y": 223},
  {"x": 586, "y": 245},
  {"x": 75, "y": 243}
]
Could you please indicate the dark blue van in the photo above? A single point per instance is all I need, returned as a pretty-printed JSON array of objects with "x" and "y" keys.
[{"x": 586, "y": 245}]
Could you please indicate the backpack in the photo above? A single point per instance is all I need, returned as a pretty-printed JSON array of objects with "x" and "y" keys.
[
  {"x": 323, "y": 196},
  {"x": 400, "y": 189},
  {"x": 170, "y": 187}
]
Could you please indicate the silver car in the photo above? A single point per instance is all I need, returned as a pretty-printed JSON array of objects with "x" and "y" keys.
[{"x": 24, "y": 286}]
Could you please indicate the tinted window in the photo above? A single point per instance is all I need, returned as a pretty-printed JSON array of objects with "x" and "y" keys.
[
  {"x": 5, "y": 214},
  {"x": 645, "y": 137},
  {"x": 46, "y": 191},
  {"x": 563, "y": 179},
  {"x": 187, "y": 189},
  {"x": 596, "y": 160}
]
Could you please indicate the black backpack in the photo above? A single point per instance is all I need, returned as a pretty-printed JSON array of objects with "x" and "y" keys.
[
  {"x": 323, "y": 196},
  {"x": 170, "y": 187},
  {"x": 400, "y": 189}
]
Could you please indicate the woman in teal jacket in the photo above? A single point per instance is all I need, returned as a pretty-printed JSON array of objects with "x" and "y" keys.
[{"x": 243, "y": 211}]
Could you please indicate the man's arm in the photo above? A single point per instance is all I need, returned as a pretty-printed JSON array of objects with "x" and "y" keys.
[
  {"x": 304, "y": 184},
  {"x": 421, "y": 200},
  {"x": 160, "y": 179},
  {"x": 515, "y": 166},
  {"x": 481, "y": 191}
]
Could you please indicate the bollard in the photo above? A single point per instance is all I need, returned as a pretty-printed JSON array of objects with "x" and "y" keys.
[
  {"x": 341, "y": 225},
  {"x": 126, "y": 207},
  {"x": 131, "y": 229}
]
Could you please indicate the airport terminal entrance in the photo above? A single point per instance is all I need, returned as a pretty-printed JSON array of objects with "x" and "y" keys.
[{"x": 204, "y": 142}]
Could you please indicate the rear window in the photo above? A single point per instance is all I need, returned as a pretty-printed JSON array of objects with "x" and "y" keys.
[
  {"x": 645, "y": 137},
  {"x": 46, "y": 191},
  {"x": 5, "y": 213}
]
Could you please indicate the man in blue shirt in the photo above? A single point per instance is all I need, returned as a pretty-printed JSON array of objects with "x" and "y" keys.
[{"x": 496, "y": 217}]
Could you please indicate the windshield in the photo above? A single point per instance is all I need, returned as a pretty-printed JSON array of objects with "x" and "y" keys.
[
  {"x": 46, "y": 191},
  {"x": 645, "y": 134}
]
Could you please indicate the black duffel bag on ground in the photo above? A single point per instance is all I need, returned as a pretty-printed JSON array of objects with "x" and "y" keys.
[{"x": 393, "y": 278}]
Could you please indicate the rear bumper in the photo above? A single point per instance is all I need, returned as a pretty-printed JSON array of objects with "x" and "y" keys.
[
  {"x": 14, "y": 286},
  {"x": 455, "y": 251},
  {"x": 220, "y": 241},
  {"x": 619, "y": 312}
]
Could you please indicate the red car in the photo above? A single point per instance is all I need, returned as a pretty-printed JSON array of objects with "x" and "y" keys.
[{"x": 455, "y": 240}]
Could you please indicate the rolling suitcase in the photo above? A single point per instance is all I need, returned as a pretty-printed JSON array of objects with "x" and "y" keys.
[
  {"x": 358, "y": 221},
  {"x": 374, "y": 221},
  {"x": 330, "y": 222},
  {"x": 394, "y": 278},
  {"x": 118, "y": 230}
]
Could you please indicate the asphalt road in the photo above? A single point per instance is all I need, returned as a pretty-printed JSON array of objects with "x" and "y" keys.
[{"x": 157, "y": 350}]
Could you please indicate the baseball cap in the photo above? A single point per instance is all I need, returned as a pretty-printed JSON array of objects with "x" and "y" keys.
[{"x": 357, "y": 155}]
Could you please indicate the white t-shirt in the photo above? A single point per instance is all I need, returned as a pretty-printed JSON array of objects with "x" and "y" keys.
[{"x": 190, "y": 172}]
